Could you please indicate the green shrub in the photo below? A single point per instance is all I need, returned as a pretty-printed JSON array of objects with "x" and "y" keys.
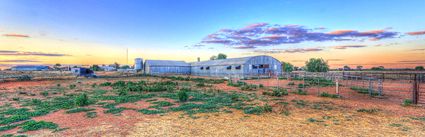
[
  {"x": 277, "y": 92},
  {"x": 183, "y": 96},
  {"x": 258, "y": 109},
  {"x": 24, "y": 78},
  {"x": 114, "y": 110},
  {"x": 362, "y": 90},
  {"x": 325, "y": 94},
  {"x": 72, "y": 86},
  {"x": 248, "y": 87},
  {"x": 34, "y": 125},
  {"x": 300, "y": 103},
  {"x": 291, "y": 83},
  {"x": 312, "y": 120},
  {"x": 301, "y": 92},
  {"x": 91, "y": 114},
  {"x": 407, "y": 102},
  {"x": 373, "y": 110},
  {"x": 105, "y": 84},
  {"x": 82, "y": 100},
  {"x": 44, "y": 93},
  {"x": 151, "y": 112}
]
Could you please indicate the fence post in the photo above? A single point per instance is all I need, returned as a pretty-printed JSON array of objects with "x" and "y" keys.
[
  {"x": 415, "y": 92},
  {"x": 380, "y": 87},
  {"x": 337, "y": 87},
  {"x": 370, "y": 86}
]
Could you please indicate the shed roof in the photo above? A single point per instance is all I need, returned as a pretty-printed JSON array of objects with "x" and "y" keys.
[
  {"x": 230, "y": 61},
  {"x": 30, "y": 66},
  {"x": 166, "y": 63}
]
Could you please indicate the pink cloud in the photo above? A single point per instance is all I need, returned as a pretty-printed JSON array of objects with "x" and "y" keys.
[
  {"x": 416, "y": 33},
  {"x": 16, "y": 35}
]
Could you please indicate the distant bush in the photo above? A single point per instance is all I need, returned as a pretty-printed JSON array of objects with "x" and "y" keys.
[{"x": 24, "y": 78}]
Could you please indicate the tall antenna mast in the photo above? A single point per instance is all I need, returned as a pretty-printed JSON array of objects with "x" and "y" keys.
[{"x": 127, "y": 56}]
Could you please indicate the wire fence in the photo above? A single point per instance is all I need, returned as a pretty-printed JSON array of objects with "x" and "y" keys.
[{"x": 397, "y": 86}]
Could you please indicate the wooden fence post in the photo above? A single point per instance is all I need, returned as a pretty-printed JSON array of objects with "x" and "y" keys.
[{"x": 415, "y": 92}]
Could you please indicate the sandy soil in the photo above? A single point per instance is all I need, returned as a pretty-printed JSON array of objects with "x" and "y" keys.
[{"x": 344, "y": 121}]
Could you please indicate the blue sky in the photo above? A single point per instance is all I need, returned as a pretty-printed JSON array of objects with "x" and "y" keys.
[{"x": 176, "y": 24}]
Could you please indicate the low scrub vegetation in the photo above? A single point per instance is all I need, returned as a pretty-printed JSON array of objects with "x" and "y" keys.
[{"x": 328, "y": 95}]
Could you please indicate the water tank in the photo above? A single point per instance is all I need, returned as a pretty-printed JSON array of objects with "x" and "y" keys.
[{"x": 138, "y": 64}]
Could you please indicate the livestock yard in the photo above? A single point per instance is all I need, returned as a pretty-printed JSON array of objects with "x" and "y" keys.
[{"x": 292, "y": 104}]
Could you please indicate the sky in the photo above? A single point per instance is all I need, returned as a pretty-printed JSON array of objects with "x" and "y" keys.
[{"x": 388, "y": 33}]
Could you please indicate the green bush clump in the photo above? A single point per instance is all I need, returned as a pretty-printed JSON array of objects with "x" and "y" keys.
[
  {"x": 82, "y": 100},
  {"x": 44, "y": 93},
  {"x": 291, "y": 83},
  {"x": 277, "y": 92},
  {"x": 407, "y": 102},
  {"x": 372, "y": 110},
  {"x": 105, "y": 84},
  {"x": 34, "y": 125},
  {"x": 325, "y": 94},
  {"x": 301, "y": 92},
  {"x": 114, "y": 110},
  {"x": 258, "y": 109},
  {"x": 183, "y": 96},
  {"x": 151, "y": 112},
  {"x": 24, "y": 78},
  {"x": 248, "y": 87},
  {"x": 362, "y": 90},
  {"x": 72, "y": 86},
  {"x": 91, "y": 114}
]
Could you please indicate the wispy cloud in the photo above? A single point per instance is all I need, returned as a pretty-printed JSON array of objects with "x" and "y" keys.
[
  {"x": 25, "y": 53},
  {"x": 18, "y": 61},
  {"x": 264, "y": 34},
  {"x": 349, "y": 46},
  {"x": 298, "y": 50},
  {"x": 17, "y": 35},
  {"x": 414, "y": 33},
  {"x": 335, "y": 60},
  {"x": 412, "y": 61}
]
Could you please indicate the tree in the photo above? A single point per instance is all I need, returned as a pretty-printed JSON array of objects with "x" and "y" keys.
[
  {"x": 95, "y": 68},
  {"x": 57, "y": 66},
  {"x": 317, "y": 65},
  {"x": 221, "y": 56},
  {"x": 380, "y": 68},
  {"x": 116, "y": 65},
  {"x": 213, "y": 57},
  {"x": 125, "y": 67},
  {"x": 359, "y": 67},
  {"x": 287, "y": 67},
  {"x": 347, "y": 67},
  {"x": 419, "y": 68}
]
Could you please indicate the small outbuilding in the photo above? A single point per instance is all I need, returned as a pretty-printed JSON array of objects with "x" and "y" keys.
[
  {"x": 244, "y": 67},
  {"x": 159, "y": 67}
]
